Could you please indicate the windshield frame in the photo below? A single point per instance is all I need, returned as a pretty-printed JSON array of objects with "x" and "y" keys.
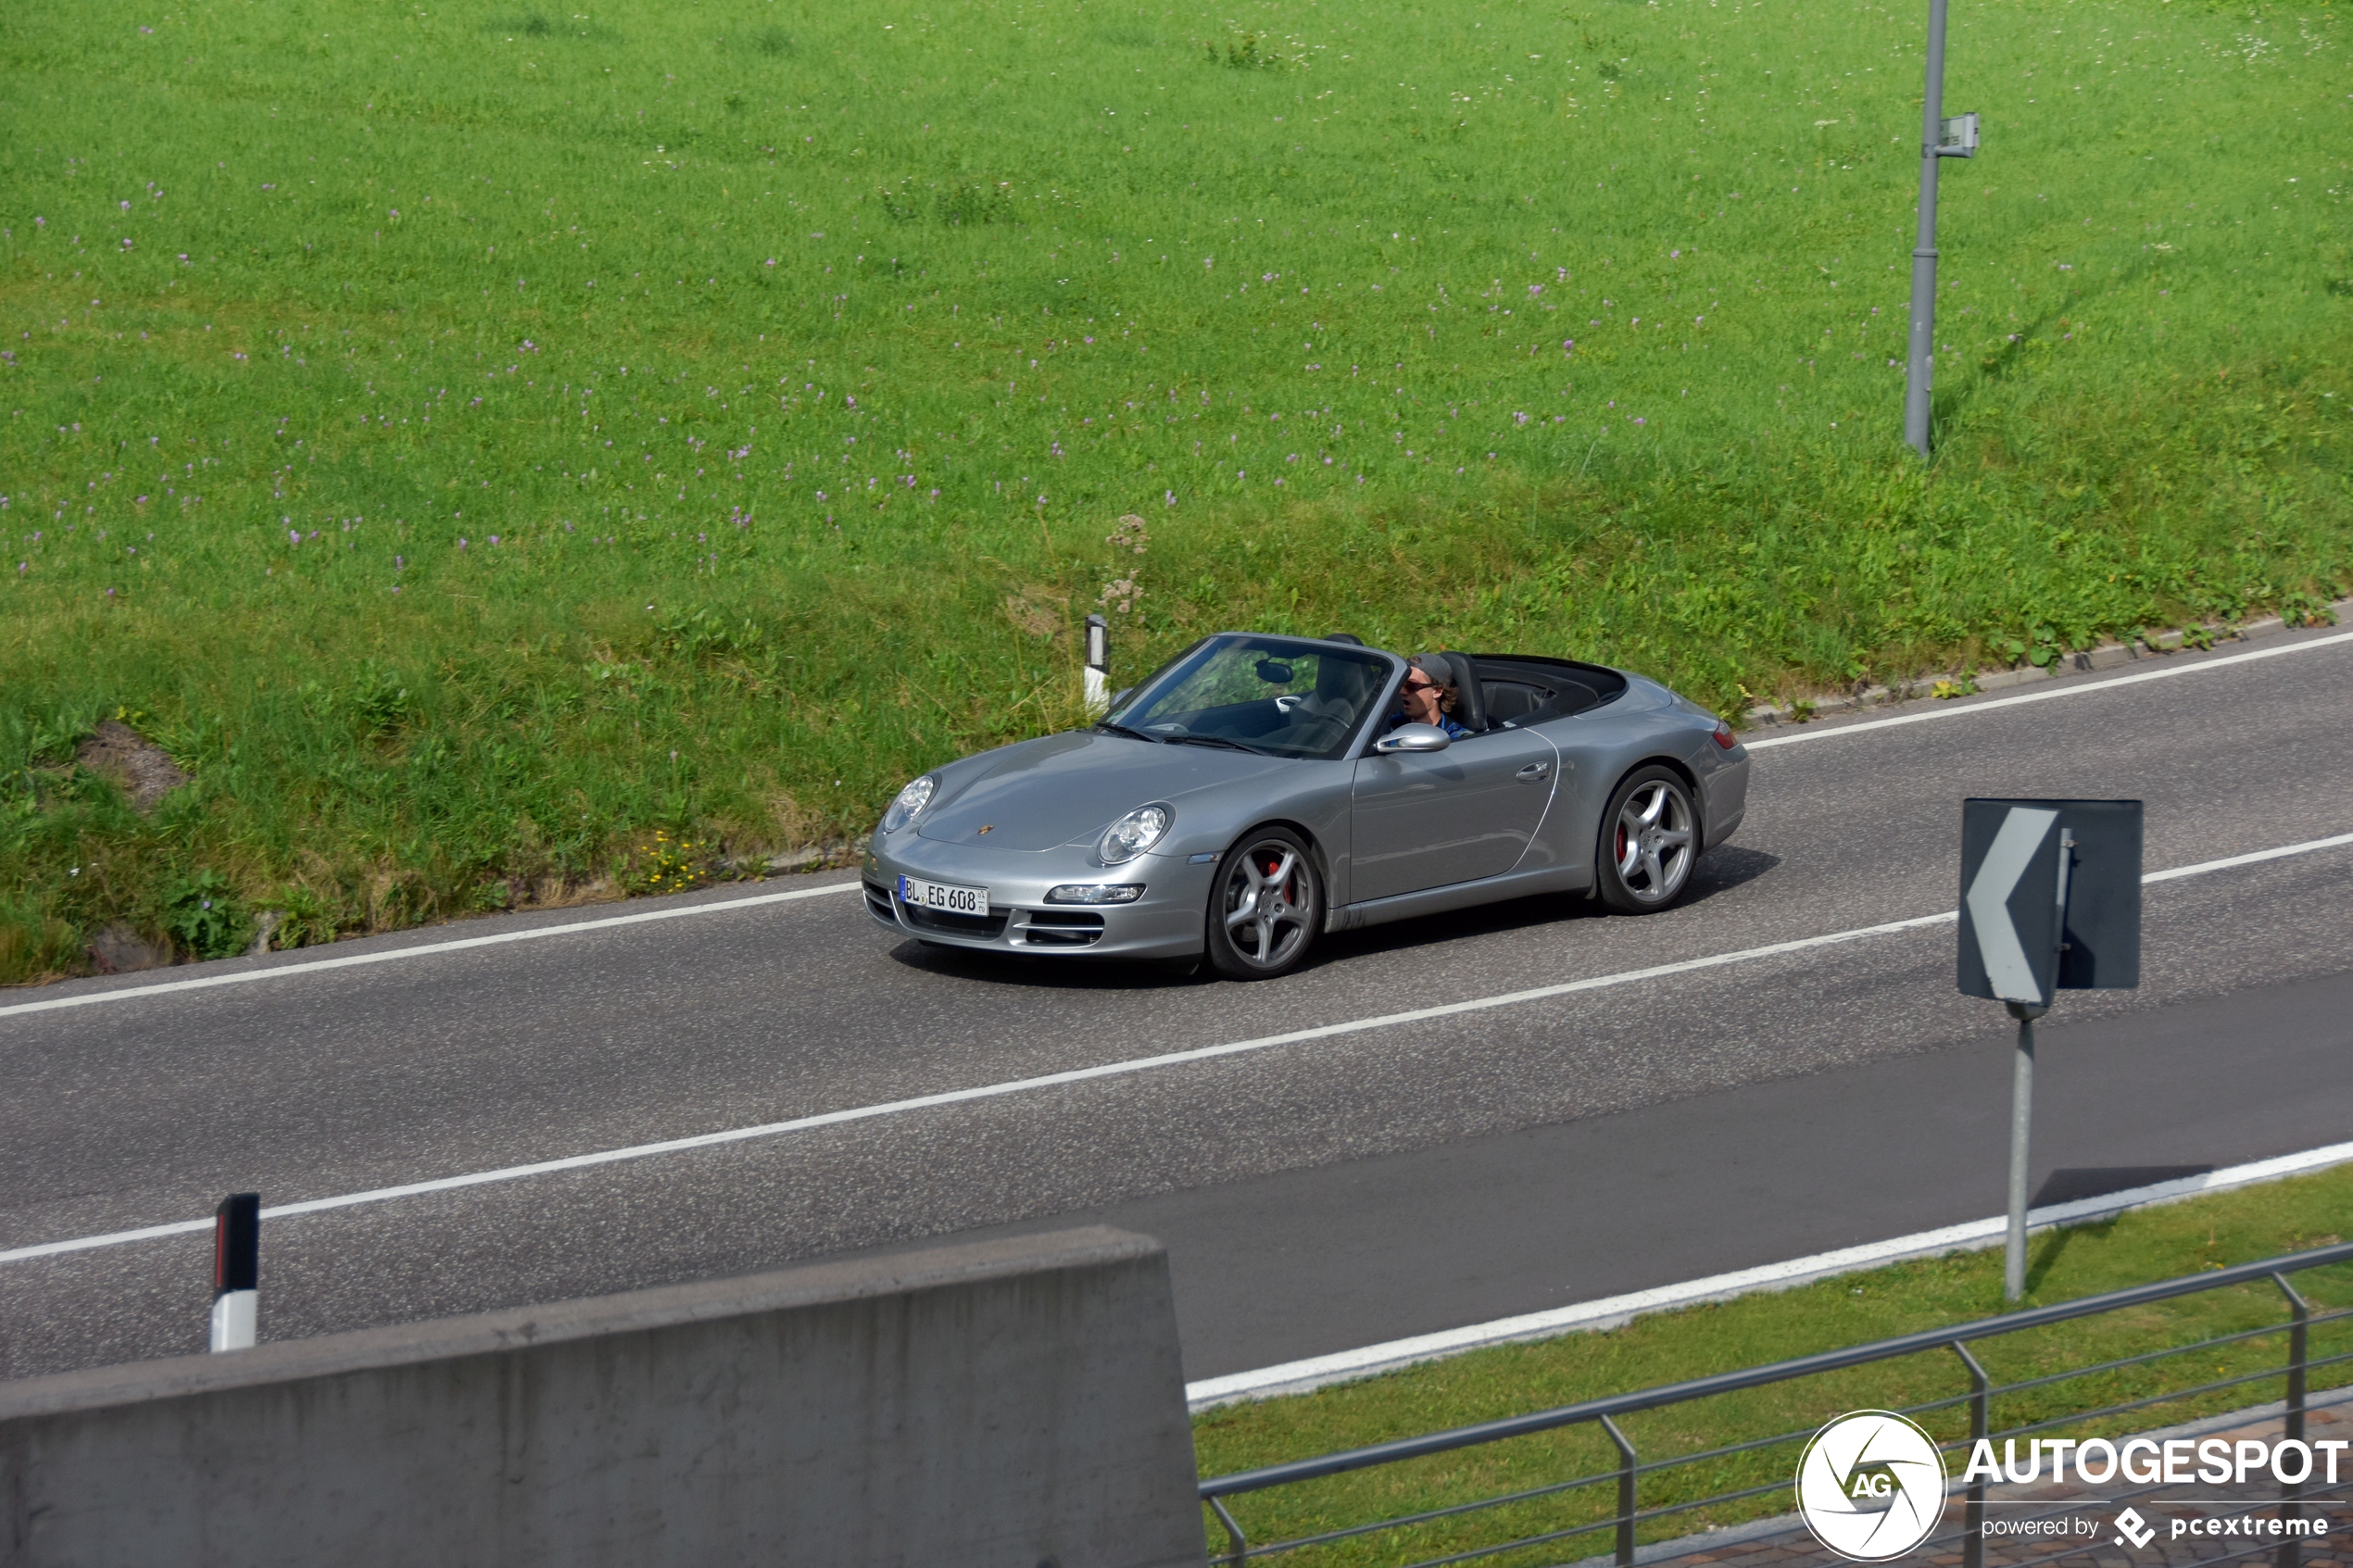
[{"x": 1178, "y": 669}]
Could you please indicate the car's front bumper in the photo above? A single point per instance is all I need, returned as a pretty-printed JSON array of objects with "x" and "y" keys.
[{"x": 1165, "y": 923}]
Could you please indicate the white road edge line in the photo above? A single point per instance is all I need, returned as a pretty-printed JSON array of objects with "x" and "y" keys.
[
  {"x": 2049, "y": 694},
  {"x": 1611, "y": 1311},
  {"x": 281, "y": 971},
  {"x": 312, "y": 966},
  {"x": 1085, "y": 1074}
]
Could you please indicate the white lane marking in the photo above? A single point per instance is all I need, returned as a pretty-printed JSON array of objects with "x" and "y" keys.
[
  {"x": 2257, "y": 856},
  {"x": 1085, "y": 1074},
  {"x": 2049, "y": 694},
  {"x": 281, "y": 971},
  {"x": 1610, "y": 1312}
]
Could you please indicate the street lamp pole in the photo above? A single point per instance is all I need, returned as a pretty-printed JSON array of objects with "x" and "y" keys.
[{"x": 1919, "y": 366}]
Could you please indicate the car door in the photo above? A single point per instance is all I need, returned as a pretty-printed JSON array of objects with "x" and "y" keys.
[{"x": 1429, "y": 819}]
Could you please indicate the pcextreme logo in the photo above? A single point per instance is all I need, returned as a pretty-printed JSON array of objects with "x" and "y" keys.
[
  {"x": 1870, "y": 1486},
  {"x": 2132, "y": 1530}
]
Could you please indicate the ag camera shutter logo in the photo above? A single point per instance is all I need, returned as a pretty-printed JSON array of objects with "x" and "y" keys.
[{"x": 1870, "y": 1486}]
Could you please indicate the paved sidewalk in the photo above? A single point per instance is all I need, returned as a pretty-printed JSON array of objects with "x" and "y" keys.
[{"x": 2089, "y": 1515}]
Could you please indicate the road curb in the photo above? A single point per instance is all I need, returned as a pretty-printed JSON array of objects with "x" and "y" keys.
[
  {"x": 1616, "y": 1311},
  {"x": 1958, "y": 683}
]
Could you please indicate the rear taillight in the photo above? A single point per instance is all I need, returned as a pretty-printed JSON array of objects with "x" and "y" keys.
[{"x": 1724, "y": 736}]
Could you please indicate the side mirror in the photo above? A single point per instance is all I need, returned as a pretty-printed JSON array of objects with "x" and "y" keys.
[{"x": 1412, "y": 738}]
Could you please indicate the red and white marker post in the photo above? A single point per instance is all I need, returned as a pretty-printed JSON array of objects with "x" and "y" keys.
[{"x": 237, "y": 1271}]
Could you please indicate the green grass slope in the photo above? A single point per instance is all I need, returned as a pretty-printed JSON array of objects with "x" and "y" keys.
[{"x": 473, "y": 442}]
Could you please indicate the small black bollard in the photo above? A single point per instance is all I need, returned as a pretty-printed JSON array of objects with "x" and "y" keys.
[{"x": 237, "y": 1271}]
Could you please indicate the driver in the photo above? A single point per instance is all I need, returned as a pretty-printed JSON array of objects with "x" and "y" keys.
[{"x": 1428, "y": 696}]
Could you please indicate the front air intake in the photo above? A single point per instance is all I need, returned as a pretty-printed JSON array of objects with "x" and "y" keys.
[{"x": 1064, "y": 928}]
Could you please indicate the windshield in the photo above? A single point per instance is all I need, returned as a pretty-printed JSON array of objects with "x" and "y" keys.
[{"x": 1272, "y": 694}]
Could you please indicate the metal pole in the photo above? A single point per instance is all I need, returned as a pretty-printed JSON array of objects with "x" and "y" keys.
[
  {"x": 1919, "y": 366},
  {"x": 2021, "y": 1133},
  {"x": 1981, "y": 1414},
  {"x": 2291, "y": 1492},
  {"x": 1626, "y": 1462},
  {"x": 2023, "y": 1085},
  {"x": 1236, "y": 1544}
]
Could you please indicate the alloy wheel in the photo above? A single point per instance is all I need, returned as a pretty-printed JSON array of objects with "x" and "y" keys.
[
  {"x": 1269, "y": 904},
  {"x": 1652, "y": 842}
]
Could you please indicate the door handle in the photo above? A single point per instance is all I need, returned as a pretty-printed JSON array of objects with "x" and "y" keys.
[{"x": 1534, "y": 772}]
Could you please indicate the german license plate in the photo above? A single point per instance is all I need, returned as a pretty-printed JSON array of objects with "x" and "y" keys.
[{"x": 948, "y": 898}]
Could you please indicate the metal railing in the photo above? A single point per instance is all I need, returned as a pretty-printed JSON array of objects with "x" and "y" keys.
[{"x": 1627, "y": 1475}]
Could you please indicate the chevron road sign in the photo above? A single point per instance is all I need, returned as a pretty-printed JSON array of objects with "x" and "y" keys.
[
  {"x": 2050, "y": 897},
  {"x": 2050, "y": 902}
]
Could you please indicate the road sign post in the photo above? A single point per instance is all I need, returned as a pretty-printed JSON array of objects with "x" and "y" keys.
[
  {"x": 2021, "y": 1135},
  {"x": 1940, "y": 138},
  {"x": 2050, "y": 901}
]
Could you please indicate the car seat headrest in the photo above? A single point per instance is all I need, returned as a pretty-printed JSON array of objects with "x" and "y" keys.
[{"x": 1470, "y": 697}]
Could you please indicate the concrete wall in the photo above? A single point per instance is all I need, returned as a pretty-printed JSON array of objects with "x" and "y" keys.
[{"x": 1015, "y": 1402}]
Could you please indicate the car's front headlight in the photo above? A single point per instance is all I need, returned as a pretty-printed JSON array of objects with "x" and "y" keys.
[
  {"x": 910, "y": 801},
  {"x": 1134, "y": 832}
]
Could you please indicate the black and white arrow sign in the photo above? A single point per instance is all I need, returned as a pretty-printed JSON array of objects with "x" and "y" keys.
[
  {"x": 2031, "y": 927},
  {"x": 2018, "y": 965}
]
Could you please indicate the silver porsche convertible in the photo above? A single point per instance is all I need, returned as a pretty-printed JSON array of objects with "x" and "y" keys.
[{"x": 1258, "y": 791}]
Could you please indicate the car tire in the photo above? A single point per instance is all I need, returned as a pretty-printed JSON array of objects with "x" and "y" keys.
[
  {"x": 1649, "y": 839},
  {"x": 1265, "y": 905}
]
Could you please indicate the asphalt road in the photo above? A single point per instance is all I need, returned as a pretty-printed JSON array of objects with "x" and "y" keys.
[{"x": 1317, "y": 1195}]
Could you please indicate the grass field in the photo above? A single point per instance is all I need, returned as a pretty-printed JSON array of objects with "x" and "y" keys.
[
  {"x": 2162, "y": 1243},
  {"x": 473, "y": 441}
]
